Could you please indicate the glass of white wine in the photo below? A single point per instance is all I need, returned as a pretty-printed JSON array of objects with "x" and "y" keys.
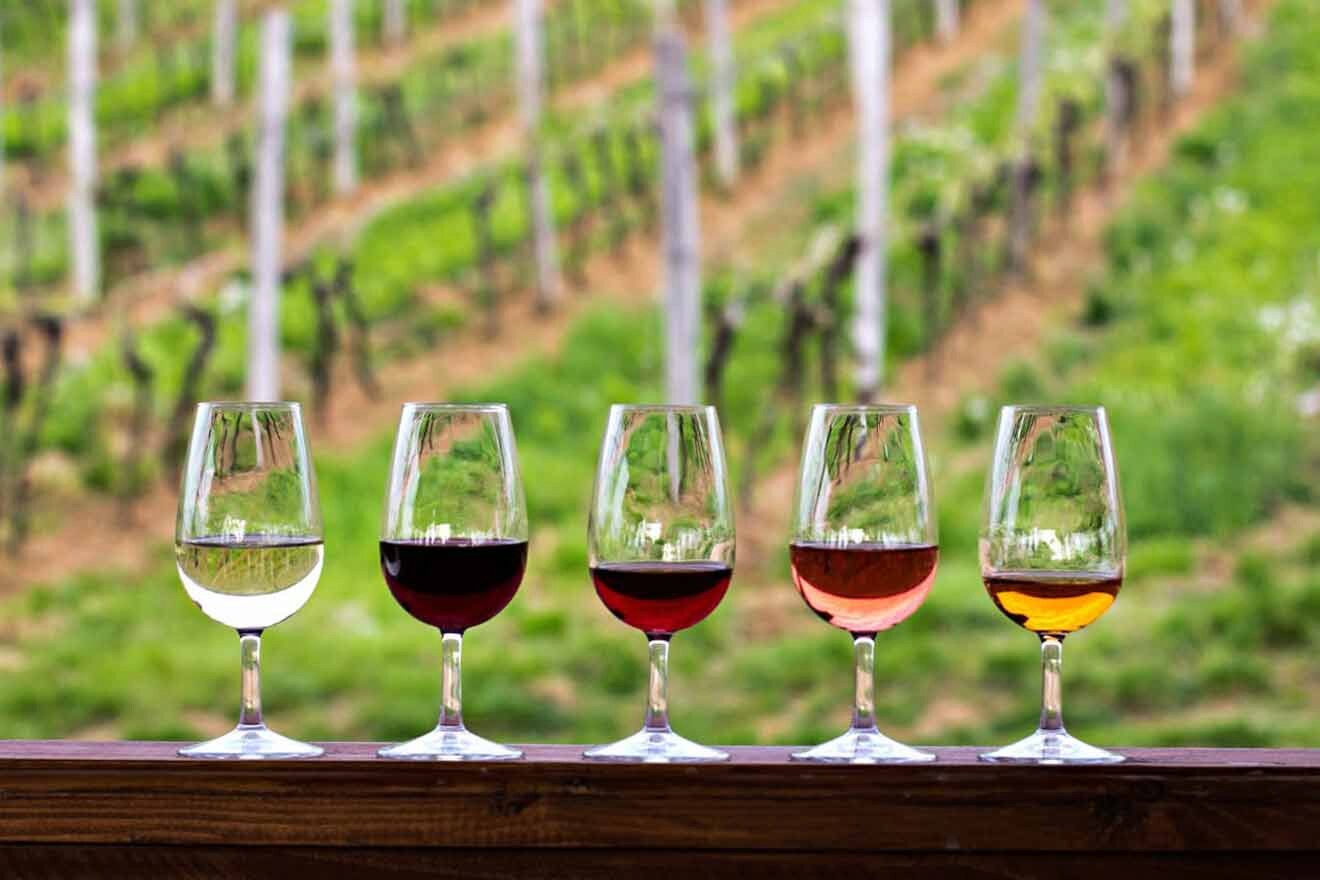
[{"x": 248, "y": 545}]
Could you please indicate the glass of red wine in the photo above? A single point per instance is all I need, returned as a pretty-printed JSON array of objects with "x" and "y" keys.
[
  {"x": 661, "y": 544},
  {"x": 864, "y": 548},
  {"x": 248, "y": 545},
  {"x": 453, "y": 546},
  {"x": 1052, "y": 550}
]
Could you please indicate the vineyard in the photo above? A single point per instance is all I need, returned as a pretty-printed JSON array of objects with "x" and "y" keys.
[{"x": 1132, "y": 237}]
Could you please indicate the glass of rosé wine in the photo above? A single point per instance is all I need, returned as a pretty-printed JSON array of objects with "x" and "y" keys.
[{"x": 864, "y": 549}]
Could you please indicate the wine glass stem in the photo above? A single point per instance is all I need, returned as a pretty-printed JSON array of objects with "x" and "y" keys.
[
  {"x": 1051, "y": 688},
  {"x": 249, "y": 644},
  {"x": 451, "y": 681},
  {"x": 657, "y": 692},
  {"x": 864, "y": 695}
]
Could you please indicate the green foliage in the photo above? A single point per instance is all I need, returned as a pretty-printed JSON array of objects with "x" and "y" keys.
[{"x": 1197, "y": 372}]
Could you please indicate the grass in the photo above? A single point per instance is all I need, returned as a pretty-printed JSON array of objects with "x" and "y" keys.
[{"x": 1189, "y": 358}]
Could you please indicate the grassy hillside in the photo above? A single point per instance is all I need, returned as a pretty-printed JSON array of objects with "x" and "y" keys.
[{"x": 1198, "y": 335}]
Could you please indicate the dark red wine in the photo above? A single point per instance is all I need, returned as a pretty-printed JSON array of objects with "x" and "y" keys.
[
  {"x": 863, "y": 588},
  {"x": 455, "y": 584},
  {"x": 660, "y": 598}
]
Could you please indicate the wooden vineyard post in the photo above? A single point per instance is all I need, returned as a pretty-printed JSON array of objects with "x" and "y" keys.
[
  {"x": 722, "y": 83},
  {"x": 343, "y": 69},
  {"x": 84, "y": 240},
  {"x": 1182, "y": 48},
  {"x": 394, "y": 23},
  {"x": 870, "y": 48},
  {"x": 127, "y": 24},
  {"x": 263, "y": 346},
  {"x": 1230, "y": 16},
  {"x": 947, "y": 20},
  {"x": 1028, "y": 107},
  {"x": 680, "y": 229},
  {"x": 1118, "y": 101},
  {"x": 530, "y": 22},
  {"x": 224, "y": 35}
]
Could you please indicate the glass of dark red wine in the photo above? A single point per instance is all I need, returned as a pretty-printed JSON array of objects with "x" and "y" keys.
[
  {"x": 864, "y": 548},
  {"x": 453, "y": 546},
  {"x": 248, "y": 545},
  {"x": 1052, "y": 550},
  {"x": 661, "y": 544}
]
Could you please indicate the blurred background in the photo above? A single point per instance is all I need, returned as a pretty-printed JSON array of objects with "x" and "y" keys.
[{"x": 561, "y": 204}]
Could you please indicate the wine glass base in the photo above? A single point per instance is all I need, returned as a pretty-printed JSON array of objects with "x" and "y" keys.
[
  {"x": 252, "y": 742},
  {"x": 656, "y": 747},
  {"x": 450, "y": 744},
  {"x": 863, "y": 747},
  {"x": 1051, "y": 747}
]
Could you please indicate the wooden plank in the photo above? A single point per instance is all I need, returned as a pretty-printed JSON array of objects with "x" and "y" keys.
[
  {"x": 1161, "y": 801},
  {"x": 205, "y": 863}
]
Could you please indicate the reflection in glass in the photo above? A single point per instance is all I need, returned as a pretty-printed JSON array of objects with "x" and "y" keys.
[
  {"x": 661, "y": 543},
  {"x": 864, "y": 548},
  {"x": 453, "y": 546},
  {"x": 248, "y": 545},
  {"x": 1052, "y": 549}
]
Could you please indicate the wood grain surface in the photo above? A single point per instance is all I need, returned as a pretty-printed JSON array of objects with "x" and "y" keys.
[{"x": 135, "y": 809}]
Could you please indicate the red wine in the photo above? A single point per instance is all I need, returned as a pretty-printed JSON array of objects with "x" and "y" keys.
[
  {"x": 455, "y": 584},
  {"x": 660, "y": 598},
  {"x": 863, "y": 588}
]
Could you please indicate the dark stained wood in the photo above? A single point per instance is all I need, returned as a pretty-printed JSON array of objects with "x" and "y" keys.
[
  {"x": 205, "y": 863},
  {"x": 135, "y": 809}
]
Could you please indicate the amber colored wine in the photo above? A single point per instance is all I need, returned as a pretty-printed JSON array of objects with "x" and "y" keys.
[
  {"x": 863, "y": 588},
  {"x": 661, "y": 598},
  {"x": 1053, "y": 603}
]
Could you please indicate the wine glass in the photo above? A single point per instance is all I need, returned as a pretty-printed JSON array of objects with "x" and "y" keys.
[
  {"x": 864, "y": 548},
  {"x": 453, "y": 546},
  {"x": 1052, "y": 549},
  {"x": 248, "y": 545},
  {"x": 661, "y": 544}
]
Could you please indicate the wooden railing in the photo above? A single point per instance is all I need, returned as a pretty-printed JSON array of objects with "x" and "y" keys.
[{"x": 74, "y": 809}]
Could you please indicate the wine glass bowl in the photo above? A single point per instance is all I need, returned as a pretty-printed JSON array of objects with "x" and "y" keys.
[
  {"x": 661, "y": 544},
  {"x": 864, "y": 547},
  {"x": 248, "y": 544},
  {"x": 453, "y": 546},
  {"x": 1052, "y": 548}
]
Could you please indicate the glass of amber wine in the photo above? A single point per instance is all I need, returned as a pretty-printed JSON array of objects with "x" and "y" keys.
[
  {"x": 1052, "y": 549},
  {"x": 864, "y": 549}
]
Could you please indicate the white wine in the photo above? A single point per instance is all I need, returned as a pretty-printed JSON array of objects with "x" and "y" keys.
[{"x": 250, "y": 583}]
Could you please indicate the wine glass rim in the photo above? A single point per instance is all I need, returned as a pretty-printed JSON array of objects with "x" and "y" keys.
[
  {"x": 866, "y": 407},
  {"x": 455, "y": 407},
  {"x": 1053, "y": 408},
  {"x": 249, "y": 404},
  {"x": 663, "y": 407}
]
